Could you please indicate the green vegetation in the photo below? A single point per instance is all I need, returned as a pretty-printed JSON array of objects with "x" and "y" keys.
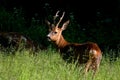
[{"x": 48, "y": 65}]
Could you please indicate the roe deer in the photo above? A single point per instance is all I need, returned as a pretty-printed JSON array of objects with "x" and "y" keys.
[
  {"x": 16, "y": 40},
  {"x": 88, "y": 53}
]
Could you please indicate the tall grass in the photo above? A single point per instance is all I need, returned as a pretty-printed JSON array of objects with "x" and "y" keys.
[{"x": 48, "y": 65}]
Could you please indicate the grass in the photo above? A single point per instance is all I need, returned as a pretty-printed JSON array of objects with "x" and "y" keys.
[{"x": 48, "y": 65}]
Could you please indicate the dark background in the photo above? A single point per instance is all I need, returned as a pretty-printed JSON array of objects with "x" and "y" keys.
[
  {"x": 97, "y": 21},
  {"x": 84, "y": 10}
]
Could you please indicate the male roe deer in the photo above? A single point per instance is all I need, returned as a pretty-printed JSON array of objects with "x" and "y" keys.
[{"x": 88, "y": 53}]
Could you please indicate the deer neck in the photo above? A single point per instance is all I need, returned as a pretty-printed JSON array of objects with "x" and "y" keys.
[{"x": 61, "y": 42}]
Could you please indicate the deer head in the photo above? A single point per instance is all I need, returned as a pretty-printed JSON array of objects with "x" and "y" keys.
[{"x": 55, "y": 31}]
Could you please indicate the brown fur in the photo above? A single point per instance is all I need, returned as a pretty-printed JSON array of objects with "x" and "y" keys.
[{"x": 16, "y": 40}]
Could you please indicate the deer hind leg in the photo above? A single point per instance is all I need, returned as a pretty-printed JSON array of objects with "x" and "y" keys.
[
  {"x": 95, "y": 65},
  {"x": 90, "y": 61},
  {"x": 87, "y": 66}
]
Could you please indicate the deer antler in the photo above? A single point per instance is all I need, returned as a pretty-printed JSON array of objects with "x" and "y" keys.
[
  {"x": 60, "y": 19},
  {"x": 56, "y": 15}
]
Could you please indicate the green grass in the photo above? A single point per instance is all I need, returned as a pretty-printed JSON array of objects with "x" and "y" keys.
[{"x": 48, "y": 65}]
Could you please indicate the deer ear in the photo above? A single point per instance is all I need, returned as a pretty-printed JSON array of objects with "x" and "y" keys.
[
  {"x": 47, "y": 22},
  {"x": 65, "y": 25}
]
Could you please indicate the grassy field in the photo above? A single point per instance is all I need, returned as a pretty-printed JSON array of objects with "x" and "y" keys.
[{"x": 48, "y": 65}]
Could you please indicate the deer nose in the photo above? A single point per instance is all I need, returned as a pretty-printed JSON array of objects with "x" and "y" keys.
[{"x": 48, "y": 37}]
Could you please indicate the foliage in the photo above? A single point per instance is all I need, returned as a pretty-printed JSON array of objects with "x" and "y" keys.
[{"x": 12, "y": 21}]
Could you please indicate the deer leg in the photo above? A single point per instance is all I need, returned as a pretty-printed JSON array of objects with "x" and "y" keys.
[
  {"x": 95, "y": 66},
  {"x": 87, "y": 66}
]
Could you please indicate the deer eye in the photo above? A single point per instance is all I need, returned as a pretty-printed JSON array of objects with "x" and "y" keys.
[{"x": 55, "y": 33}]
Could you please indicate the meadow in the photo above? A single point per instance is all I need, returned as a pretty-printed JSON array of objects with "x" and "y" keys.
[{"x": 48, "y": 65}]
